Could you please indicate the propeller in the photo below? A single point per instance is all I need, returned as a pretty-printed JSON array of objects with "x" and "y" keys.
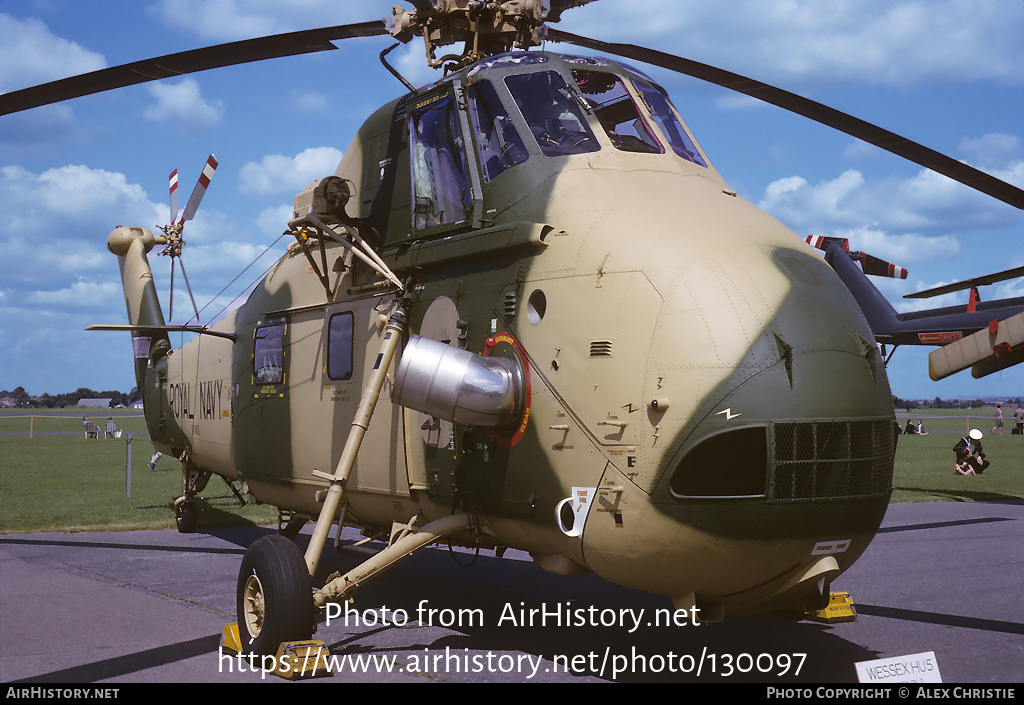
[{"x": 869, "y": 264}]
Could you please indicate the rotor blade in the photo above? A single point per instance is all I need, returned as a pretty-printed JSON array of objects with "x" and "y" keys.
[
  {"x": 174, "y": 195},
  {"x": 879, "y": 267},
  {"x": 170, "y": 306},
  {"x": 197, "y": 193},
  {"x": 968, "y": 284},
  {"x": 290, "y": 44},
  {"x": 852, "y": 126},
  {"x": 823, "y": 242}
]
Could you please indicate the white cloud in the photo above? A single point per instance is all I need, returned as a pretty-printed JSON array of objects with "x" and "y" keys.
[
  {"x": 277, "y": 174},
  {"x": 892, "y": 42},
  {"x": 926, "y": 203},
  {"x": 92, "y": 199},
  {"x": 238, "y": 19},
  {"x": 183, "y": 104},
  {"x": 78, "y": 294},
  {"x": 273, "y": 221},
  {"x": 311, "y": 102},
  {"x": 30, "y": 54},
  {"x": 996, "y": 151}
]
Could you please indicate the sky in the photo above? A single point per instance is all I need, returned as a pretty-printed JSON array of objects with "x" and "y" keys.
[{"x": 944, "y": 73}]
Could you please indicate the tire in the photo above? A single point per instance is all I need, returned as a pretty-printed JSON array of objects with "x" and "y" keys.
[
  {"x": 274, "y": 596},
  {"x": 186, "y": 520}
]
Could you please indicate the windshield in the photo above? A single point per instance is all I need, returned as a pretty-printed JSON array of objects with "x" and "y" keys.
[
  {"x": 551, "y": 110},
  {"x": 615, "y": 110},
  {"x": 499, "y": 142},
  {"x": 665, "y": 117}
]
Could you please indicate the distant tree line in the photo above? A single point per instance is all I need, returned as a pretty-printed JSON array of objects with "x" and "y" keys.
[
  {"x": 937, "y": 403},
  {"x": 21, "y": 398}
]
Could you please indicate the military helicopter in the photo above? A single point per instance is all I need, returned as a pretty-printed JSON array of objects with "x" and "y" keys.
[
  {"x": 984, "y": 336},
  {"x": 683, "y": 398}
]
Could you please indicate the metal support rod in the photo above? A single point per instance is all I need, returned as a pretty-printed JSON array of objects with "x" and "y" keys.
[
  {"x": 342, "y": 586},
  {"x": 128, "y": 468},
  {"x": 392, "y": 337}
]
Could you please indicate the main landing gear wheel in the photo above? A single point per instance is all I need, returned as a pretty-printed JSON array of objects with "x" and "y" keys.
[
  {"x": 184, "y": 517},
  {"x": 275, "y": 596}
]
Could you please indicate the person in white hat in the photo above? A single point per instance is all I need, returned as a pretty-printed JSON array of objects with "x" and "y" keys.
[{"x": 970, "y": 457}]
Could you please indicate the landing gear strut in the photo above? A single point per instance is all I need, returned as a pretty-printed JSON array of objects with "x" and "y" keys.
[{"x": 185, "y": 514}]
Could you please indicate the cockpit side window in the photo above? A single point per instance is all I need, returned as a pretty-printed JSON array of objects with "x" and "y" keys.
[
  {"x": 555, "y": 117},
  {"x": 499, "y": 142},
  {"x": 441, "y": 187},
  {"x": 268, "y": 354},
  {"x": 668, "y": 123},
  {"x": 617, "y": 112}
]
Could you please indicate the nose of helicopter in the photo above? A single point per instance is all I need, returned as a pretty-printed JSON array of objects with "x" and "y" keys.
[{"x": 778, "y": 467}]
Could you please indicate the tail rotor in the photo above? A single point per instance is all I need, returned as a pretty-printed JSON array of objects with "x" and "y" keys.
[
  {"x": 868, "y": 263},
  {"x": 173, "y": 232}
]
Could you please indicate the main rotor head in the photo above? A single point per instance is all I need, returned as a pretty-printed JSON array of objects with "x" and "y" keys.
[{"x": 487, "y": 27}]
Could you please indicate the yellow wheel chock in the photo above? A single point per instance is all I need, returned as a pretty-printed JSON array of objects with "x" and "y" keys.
[
  {"x": 840, "y": 609},
  {"x": 294, "y": 659}
]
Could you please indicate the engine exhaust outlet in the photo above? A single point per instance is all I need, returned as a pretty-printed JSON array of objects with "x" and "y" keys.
[{"x": 457, "y": 385}]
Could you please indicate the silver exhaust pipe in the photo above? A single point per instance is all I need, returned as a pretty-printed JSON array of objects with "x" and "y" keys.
[{"x": 458, "y": 386}]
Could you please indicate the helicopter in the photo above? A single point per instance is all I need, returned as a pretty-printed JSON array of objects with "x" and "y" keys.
[
  {"x": 984, "y": 336},
  {"x": 712, "y": 424}
]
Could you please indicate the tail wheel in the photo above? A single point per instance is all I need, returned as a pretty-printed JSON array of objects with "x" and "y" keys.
[{"x": 274, "y": 597}]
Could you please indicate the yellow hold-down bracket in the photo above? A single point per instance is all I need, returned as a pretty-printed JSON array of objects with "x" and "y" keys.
[
  {"x": 294, "y": 660},
  {"x": 302, "y": 659},
  {"x": 840, "y": 609}
]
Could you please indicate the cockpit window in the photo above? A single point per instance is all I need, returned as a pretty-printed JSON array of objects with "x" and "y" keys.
[
  {"x": 669, "y": 124},
  {"x": 499, "y": 142},
  {"x": 616, "y": 111},
  {"x": 555, "y": 117},
  {"x": 440, "y": 182},
  {"x": 268, "y": 354}
]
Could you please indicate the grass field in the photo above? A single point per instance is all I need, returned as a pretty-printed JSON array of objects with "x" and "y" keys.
[
  {"x": 924, "y": 464},
  {"x": 57, "y": 480}
]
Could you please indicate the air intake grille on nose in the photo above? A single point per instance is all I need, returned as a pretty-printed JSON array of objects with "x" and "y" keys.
[{"x": 822, "y": 460}]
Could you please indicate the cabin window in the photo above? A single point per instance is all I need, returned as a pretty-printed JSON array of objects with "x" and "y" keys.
[
  {"x": 268, "y": 354},
  {"x": 617, "y": 112},
  {"x": 339, "y": 346},
  {"x": 670, "y": 126},
  {"x": 553, "y": 113},
  {"x": 441, "y": 189},
  {"x": 500, "y": 146}
]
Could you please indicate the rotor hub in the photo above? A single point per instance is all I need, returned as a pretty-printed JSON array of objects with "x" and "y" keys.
[{"x": 486, "y": 27}]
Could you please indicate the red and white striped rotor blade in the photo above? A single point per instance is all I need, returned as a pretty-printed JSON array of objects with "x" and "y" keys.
[
  {"x": 174, "y": 195},
  {"x": 197, "y": 194},
  {"x": 879, "y": 267}
]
